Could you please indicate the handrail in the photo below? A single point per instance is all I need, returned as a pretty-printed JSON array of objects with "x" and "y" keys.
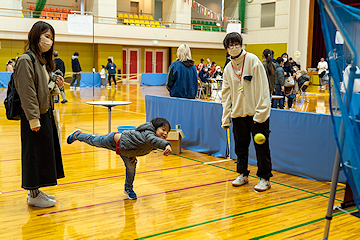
[{"x": 163, "y": 23}]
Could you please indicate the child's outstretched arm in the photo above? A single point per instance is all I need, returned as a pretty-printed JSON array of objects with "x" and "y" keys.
[
  {"x": 167, "y": 150},
  {"x": 156, "y": 142}
]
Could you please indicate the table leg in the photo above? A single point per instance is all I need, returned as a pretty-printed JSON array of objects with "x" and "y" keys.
[{"x": 109, "y": 107}]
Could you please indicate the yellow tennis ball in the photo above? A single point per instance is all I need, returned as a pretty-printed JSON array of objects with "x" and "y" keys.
[{"x": 259, "y": 138}]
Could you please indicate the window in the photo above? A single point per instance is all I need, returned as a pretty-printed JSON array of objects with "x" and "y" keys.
[{"x": 268, "y": 15}]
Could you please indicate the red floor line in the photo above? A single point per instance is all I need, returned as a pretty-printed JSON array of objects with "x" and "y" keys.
[
  {"x": 122, "y": 175},
  {"x": 153, "y": 194}
]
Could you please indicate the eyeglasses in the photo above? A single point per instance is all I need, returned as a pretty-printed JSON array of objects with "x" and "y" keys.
[{"x": 232, "y": 47}]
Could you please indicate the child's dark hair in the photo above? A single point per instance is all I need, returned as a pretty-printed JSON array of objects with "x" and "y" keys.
[
  {"x": 102, "y": 66},
  {"x": 159, "y": 122},
  {"x": 279, "y": 60},
  {"x": 233, "y": 37}
]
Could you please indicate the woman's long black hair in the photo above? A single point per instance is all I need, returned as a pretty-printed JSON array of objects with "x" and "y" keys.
[{"x": 267, "y": 55}]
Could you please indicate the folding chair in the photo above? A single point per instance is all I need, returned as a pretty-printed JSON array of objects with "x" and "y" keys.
[
  {"x": 200, "y": 92},
  {"x": 302, "y": 93}
]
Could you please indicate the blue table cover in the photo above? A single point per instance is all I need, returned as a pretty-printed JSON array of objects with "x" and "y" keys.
[{"x": 199, "y": 120}]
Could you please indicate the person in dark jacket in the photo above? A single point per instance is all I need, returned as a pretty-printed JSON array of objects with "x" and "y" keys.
[
  {"x": 111, "y": 67},
  {"x": 76, "y": 71},
  {"x": 279, "y": 84},
  {"x": 59, "y": 65},
  {"x": 302, "y": 79},
  {"x": 182, "y": 75},
  {"x": 130, "y": 144},
  {"x": 204, "y": 78}
]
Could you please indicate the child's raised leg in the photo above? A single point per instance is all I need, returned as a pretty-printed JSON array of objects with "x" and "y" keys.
[{"x": 103, "y": 141}]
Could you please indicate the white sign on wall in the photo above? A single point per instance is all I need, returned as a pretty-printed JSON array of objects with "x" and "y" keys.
[
  {"x": 233, "y": 27},
  {"x": 80, "y": 24}
]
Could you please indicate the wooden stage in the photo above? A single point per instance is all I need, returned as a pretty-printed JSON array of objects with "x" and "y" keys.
[{"x": 179, "y": 197}]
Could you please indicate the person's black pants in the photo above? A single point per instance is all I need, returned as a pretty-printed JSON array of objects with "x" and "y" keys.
[
  {"x": 113, "y": 77},
  {"x": 243, "y": 128}
]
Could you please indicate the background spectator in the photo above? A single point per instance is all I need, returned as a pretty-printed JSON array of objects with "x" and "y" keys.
[{"x": 182, "y": 75}]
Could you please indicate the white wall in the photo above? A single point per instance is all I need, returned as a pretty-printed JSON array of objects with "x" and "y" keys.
[
  {"x": 13, "y": 4},
  {"x": 177, "y": 11},
  {"x": 291, "y": 26}
]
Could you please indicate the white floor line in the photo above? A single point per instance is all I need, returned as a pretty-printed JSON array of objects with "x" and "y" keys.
[{"x": 226, "y": 160}]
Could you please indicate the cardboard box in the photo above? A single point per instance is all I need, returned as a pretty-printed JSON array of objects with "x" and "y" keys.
[{"x": 174, "y": 137}]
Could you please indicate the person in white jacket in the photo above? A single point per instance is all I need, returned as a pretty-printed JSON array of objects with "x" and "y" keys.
[
  {"x": 102, "y": 76},
  {"x": 246, "y": 103}
]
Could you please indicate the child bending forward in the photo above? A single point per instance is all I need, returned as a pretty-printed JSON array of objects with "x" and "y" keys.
[{"x": 129, "y": 144}]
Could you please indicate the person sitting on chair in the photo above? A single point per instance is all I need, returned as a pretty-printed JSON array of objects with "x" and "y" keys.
[{"x": 302, "y": 79}]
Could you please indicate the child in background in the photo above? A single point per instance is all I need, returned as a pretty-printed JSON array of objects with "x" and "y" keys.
[
  {"x": 102, "y": 75},
  {"x": 130, "y": 144}
]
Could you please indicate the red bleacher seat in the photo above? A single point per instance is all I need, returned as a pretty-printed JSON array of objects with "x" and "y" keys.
[
  {"x": 51, "y": 14},
  {"x": 64, "y": 14},
  {"x": 32, "y": 7}
]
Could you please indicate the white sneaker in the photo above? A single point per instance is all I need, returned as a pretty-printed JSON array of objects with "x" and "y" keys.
[
  {"x": 323, "y": 88},
  {"x": 109, "y": 87},
  {"x": 48, "y": 195},
  {"x": 240, "y": 180},
  {"x": 41, "y": 201},
  {"x": 262, "y": 185},
  {"x": 72, "y": 88},
  {"x": 77, "y": 88}
]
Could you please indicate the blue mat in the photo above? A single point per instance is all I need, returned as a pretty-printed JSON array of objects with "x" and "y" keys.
[
  {"x": 153, "y": 79},
  {"x": 301, "y": 144},
  {"x": 86, "y": 79},
  {"x": 4, "y": 79}
]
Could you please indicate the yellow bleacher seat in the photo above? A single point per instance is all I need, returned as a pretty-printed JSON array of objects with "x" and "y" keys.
[
  {"x": 120, "y": 15},
  {"x": 126, "y": 16},
  {"x": 142, "y": 25},
  {"x": 136, "y": 16},
  {"x": 151, "y": 18},
  {"x": 147, "y": 23},
  {"x": 146, "y": 17},
  {"x": 141, "y": 17},
  {"x": 138, "y": 25},
  {"x": 126, "y": 21},
  {"x": 131, "y": 21},
  {"x": 157, "y": 26},
  {"x": 152, "y": 23},
  {"x": 152, "y": 26},
  {"x": 137, "y": 22},
  {"x": 163, "y": 26},
  {"x": 157, "y": 23},
  {"x": 131, "y": 16},
  {"x": 142, "y": 22}
]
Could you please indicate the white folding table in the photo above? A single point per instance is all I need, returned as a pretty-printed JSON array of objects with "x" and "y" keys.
[{"x": 109, "y": 105}]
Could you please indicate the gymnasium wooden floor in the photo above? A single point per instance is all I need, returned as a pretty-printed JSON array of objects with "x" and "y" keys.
[{"x": 179, "y": 197}]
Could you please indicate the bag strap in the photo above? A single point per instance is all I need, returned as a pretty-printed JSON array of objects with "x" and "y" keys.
[{"x": 32, "y": 59}]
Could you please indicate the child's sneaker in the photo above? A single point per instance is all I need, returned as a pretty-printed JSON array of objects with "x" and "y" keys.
[
  {"x": 71, "y": 137},
  {"x": 262, "y": 185},
  {"x": 131, "y": 194},
  {"x": 240, "y": 180}
]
